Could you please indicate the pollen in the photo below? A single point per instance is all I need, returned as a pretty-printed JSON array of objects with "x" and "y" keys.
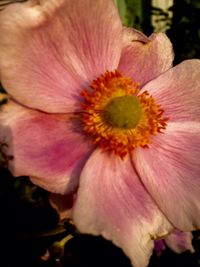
[{"x": 117, "y": 117}]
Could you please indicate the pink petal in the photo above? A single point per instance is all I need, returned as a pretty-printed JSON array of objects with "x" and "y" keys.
[
  {"x": 48, "y": 147},
  {"x": 145, "y": 59},
  {"x": 50, "y": 50},
  {"x": 170, "y": 171},
  {"x": 112, "y": 201},
  {"x": 131, "y": 35},
  {"x": 177, "y": 241},
  {"x": 159, "y": 246},
  {"x": 180, "y": 241},
  {"x": 178, "y": 91}
]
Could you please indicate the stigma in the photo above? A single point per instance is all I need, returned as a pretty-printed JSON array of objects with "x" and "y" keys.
[{"x": 116, "y": 117}]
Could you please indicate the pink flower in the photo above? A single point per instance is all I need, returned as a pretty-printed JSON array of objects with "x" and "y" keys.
[
  {"x": 177, "y": 241},
  {"x": 75, "y": 124}
]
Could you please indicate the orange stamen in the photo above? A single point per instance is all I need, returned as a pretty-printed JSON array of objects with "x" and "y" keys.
[{"x": 120, "y": 141}]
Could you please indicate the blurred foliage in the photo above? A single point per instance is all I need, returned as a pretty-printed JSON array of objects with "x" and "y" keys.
[{"x": 135, "y": 13}]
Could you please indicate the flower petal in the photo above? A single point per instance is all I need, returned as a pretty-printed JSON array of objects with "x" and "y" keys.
[
  {"x": 177, "y": 241},
  {"x": 178, "y": 91},
  {"x": 50, "y": 50},
  {"x": 144, "y": 60},
  {"x": 159, "y": 246},
  {"x": 131, "y": 35},
  {"x": 112, "y": 201},
  {"x": 43, "y": 146},
  {"x": 180, "y": 241},
  {"x": 170, "y": 170}
]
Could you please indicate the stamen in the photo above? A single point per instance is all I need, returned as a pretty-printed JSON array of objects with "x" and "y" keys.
[{"x": 116, "y": 117}]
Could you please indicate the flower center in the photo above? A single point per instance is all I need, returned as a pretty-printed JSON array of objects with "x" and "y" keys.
[
  {"x": 117, "y": 117},
  {"x": 123, "y": 112}
]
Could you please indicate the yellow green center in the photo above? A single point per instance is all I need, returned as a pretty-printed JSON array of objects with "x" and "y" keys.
[{"x": 123, "y": 112}]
